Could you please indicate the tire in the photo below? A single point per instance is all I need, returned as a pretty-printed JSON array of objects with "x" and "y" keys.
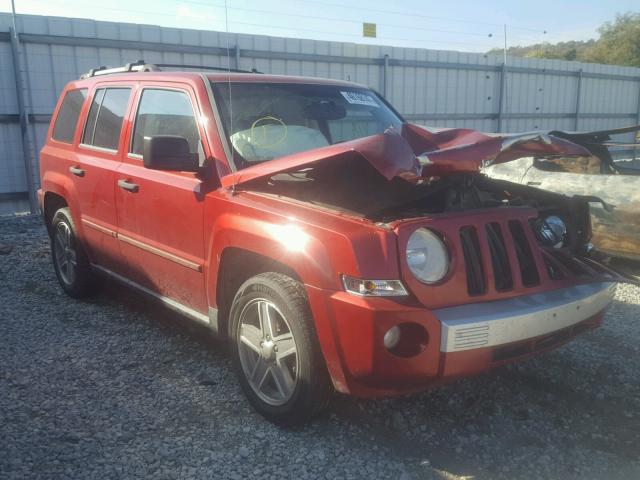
[
  {"x": 70, "y": 261},
  {"x": 282, "y": 373}
]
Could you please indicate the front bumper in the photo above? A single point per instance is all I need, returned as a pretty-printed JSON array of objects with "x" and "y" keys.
[
  {"x": 463, "y": 340},
  {"x": 506, "y": 321}
]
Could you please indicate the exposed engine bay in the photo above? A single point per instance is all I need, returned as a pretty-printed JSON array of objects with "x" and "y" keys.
[
  {"x": 415, "y": 172},
  {"x": 353, "y": 186}
]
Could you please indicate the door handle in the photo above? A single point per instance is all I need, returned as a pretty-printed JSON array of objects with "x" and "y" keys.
[
  {"x": 534, "y": 184},
  {"x": 126, "y": 185},
  {"x": 77, "y": 171}
]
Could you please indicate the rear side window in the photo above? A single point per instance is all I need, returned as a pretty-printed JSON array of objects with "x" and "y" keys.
[
  {"x": 104, "y": 121},
  {"x": 165, "y": 112},
  {"x": 67, "y": 119}
]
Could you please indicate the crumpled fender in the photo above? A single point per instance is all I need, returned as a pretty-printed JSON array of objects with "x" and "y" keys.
[{"x": 450, "y": 151}]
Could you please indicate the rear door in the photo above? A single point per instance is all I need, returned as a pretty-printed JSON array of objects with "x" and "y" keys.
[
  {"x": 98, "y": 156},
  {"x": 160, "y": 213}
]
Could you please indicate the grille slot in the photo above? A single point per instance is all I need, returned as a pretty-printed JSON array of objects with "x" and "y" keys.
[
  {"x": 554, "y": 339},
  {"x": 554, "y": 269},
  {"x": 526, "y": 347},
  {"x": 573, "y": 267},
  {"x": 499, "y": 257},
  {"x": 476, "y": 282},
  {"x": 528, "y": 269},
  {"x": 563, "y": 264}
]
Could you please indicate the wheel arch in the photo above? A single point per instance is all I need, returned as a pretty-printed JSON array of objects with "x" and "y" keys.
[
  {"x": 236, "y": 266},
  {"x": 58, "y": 191},
  {"x": 239, "y": 243},
  {"x": 51, "y": 204}
]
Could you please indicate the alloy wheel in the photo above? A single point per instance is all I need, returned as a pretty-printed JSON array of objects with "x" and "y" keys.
[
  {"x": 268, "y": 352},
  {"x": 65, "y": 253}
]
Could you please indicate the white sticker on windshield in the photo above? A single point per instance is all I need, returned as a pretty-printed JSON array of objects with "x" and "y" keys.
[{"x": 357, "y": 98}]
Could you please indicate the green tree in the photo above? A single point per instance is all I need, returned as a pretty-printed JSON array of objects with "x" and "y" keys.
[{"x": 619, "y": 44}]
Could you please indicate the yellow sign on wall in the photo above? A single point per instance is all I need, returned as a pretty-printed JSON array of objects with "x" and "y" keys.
[{"x": 369, "y": 30}]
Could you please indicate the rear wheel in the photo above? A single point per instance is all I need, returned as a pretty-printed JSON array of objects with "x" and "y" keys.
[
  {"x": 276, "y": 354},
  {"x": 70, "y": 261}
]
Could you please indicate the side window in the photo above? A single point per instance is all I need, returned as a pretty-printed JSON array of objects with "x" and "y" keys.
[
  {"x": 90, "y": 127},
  {"x": 67, "y": 119},
  {"x": 104, "y": 121},
  {"x": 165, "y": 112}
]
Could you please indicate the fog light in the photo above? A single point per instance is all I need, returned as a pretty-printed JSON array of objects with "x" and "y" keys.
[{"x": 392, "y": 337}]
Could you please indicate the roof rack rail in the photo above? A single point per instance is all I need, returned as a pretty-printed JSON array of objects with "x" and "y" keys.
[
  {"x": 139, "y": 66},
  {"x": 205, "y": 67},
  {"x": 142, "y": 66}
]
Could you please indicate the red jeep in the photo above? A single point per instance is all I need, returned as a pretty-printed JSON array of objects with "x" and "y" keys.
[{"x": 333, "y": 244}]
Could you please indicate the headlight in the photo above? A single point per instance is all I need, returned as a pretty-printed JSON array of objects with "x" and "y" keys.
[
  {"x": 427, "y": 256},
  {"x": 551, "y": 231}
]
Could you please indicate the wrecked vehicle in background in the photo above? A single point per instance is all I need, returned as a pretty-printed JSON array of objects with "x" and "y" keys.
[
  {"x": 331, "y": 243},
  {"x": 612, "y": 186}
]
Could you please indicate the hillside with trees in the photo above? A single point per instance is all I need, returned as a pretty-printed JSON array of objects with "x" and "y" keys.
[{"x": 618, "y": 44}]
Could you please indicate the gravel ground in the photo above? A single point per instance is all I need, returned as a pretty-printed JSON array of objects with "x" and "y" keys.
[{"x": 118, "y": 387}]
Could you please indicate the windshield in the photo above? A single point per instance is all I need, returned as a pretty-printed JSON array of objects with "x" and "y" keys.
[{"x": 263, "y": 121}]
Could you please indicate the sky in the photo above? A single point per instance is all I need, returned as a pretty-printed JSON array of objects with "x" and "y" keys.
[{"x": 463, "y": 25}]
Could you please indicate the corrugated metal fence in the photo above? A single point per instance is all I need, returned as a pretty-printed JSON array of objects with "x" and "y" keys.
[{"x": 440, "y": 88}]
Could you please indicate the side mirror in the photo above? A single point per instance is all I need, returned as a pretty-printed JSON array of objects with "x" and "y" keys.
[{"x": 169, "y": 152}]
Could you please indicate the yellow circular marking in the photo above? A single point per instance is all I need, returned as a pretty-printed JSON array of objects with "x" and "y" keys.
[{"x": 259, "y": 131}]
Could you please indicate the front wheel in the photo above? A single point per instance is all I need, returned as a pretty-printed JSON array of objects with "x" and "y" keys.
[{"x": 276, "y": 353}]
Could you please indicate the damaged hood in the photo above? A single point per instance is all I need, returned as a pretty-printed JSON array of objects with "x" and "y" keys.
[{"x": 418, "y": 152}]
